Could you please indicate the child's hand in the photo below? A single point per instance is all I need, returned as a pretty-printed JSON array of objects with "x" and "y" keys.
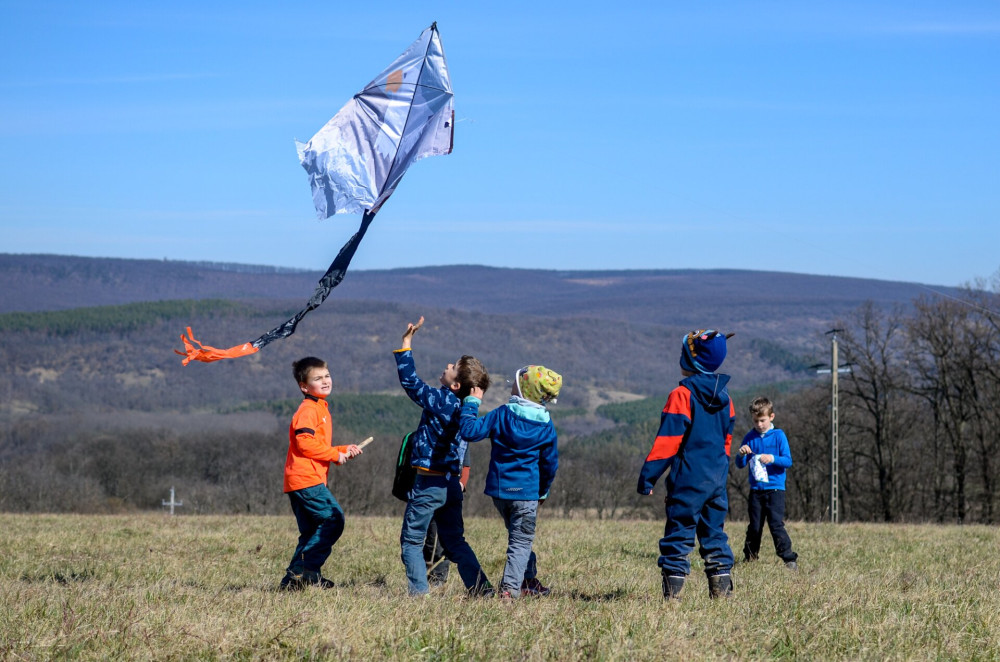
[
  {"x": 352, "y": 451},
  {"x": 477, "y": 392},
  {"x": 745, "y": 450},
  {"x": 766, "y": 459},
  {"x": 410, "y": 330}
]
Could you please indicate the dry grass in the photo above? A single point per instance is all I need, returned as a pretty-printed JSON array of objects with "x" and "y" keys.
[{"x": 155, "y": 587}]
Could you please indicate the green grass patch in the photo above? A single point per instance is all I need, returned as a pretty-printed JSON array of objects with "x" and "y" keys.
[{"x": 155, "y": 587}]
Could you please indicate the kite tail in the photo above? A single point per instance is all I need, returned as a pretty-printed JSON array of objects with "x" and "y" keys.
[
  {"x": 331, "y": 279},
  {"x": 207, "y": 354}
]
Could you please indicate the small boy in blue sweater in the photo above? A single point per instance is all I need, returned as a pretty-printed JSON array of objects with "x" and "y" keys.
[
  {"x": 523, "y": 463},
  {"x": 767, "y": 447},
  {"x": 696, "y": 429},
  {"x": 437, "y": 456}
]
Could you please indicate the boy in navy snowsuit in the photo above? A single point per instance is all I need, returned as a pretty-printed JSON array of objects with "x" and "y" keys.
[
  {"x": 696, "y": 430},
  {"x": 767, "y": 445}
]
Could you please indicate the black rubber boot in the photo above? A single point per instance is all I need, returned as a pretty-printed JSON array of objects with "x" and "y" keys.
[
  {"x": 672, "y": 587},
  {"x": 720, "y": 586}
]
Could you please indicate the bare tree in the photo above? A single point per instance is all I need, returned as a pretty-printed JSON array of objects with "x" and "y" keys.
[
  {"x": 955, "y": 349},
  {"x": 875, "y": 395}
]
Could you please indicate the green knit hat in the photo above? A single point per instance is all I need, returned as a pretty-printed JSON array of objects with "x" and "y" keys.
[{"x": 539, "y": 384}]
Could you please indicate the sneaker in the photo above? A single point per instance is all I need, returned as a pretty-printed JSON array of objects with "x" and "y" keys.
[
  {"x": 672, "y": 586},
  {"x": 534, "y": 587},
  {"x": 720, "y": 586},
  {"x": 791, "y": 565},
  {"x": 505, "y": 596}
]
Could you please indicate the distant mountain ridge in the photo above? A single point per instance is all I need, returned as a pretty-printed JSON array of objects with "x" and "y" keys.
[
  {"x": 91, "y": 334},
  {"x": 675, "y": 297}
]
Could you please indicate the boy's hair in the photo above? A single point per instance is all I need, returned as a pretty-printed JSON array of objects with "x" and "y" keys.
[
  {"x": 302, "y": 367},
  {"x": 471, "y": 372},
  {"x": 761, "y": 407}
]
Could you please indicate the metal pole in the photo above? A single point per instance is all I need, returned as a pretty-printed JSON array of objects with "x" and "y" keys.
[{"x": 834, "y": 460}]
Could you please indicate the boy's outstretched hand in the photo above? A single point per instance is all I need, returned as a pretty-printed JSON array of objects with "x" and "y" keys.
[{"x": 410, "y": 330}]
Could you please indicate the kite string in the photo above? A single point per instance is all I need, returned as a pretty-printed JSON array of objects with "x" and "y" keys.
[{"x": 334, "y": 275}]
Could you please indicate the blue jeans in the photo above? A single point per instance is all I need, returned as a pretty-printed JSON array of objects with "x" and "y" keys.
[
  {"x": 434, "y": 556},
  {"x": 519, "y": 517},
  {"x": 321, "y": 522},
  {"x": 440, "y": 498}
]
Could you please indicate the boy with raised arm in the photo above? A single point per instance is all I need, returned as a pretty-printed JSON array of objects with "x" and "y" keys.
[{"x": 437, "y": 456}]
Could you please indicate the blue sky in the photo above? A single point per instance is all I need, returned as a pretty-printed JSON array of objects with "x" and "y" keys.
[{"x": 856, "y": 139}]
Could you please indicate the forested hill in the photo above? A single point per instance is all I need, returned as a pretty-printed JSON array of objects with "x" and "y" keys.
[
  {"x": 614, "y": 324},
  {"x": 673, "y": 297},
  {"x": 93, "y": 398}
]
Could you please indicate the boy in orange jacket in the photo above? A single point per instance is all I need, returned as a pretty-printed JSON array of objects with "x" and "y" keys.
[{"x": 310, "y": 452}]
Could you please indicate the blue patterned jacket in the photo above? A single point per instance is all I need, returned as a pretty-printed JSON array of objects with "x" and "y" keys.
[{"x": 437, "y": 445}]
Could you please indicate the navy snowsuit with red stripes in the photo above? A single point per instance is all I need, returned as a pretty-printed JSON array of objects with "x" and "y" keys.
[{"x": 696, "y": 430}]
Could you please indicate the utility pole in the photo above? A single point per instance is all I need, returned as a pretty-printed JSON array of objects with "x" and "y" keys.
[
  {"x": 835, "y": 369},
  {"x": 173, "y": 502},
  {"x": 834, "y": 441}
]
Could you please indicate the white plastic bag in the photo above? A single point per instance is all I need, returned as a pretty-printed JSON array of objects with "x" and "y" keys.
[{"x": 757, "y": 467}]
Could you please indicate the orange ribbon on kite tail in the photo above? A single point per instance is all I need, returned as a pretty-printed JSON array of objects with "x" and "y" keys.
[{"x": 207, "y": 354}]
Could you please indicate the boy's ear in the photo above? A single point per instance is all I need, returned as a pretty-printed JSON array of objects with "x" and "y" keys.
[{"x": 455, "y": 386}]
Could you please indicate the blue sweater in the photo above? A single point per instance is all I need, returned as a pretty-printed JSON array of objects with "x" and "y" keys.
[
  {"x": 773, "y": 442},
  {"x": 524, "y": 456},
  {"x": 436, "y": 443}
]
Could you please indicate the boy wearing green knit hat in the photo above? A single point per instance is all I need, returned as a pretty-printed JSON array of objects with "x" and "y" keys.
[{"x": 523, "y": 462}]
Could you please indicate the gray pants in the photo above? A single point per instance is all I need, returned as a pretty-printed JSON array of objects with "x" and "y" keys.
[{"x": 519, "y": 518}]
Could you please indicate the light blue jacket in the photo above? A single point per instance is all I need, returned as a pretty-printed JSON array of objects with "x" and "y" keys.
[{"x": 524, "y": 456}]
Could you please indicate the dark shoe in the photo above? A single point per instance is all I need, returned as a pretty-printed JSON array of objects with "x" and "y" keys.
[
  {"x": 791, "y": 565},
  {"x": 291, "y": 582},
  {"x": 314, "y": 578},
  {"x": 672, "y": 587},
  {"x": 720, "y": 586},
  {"x": 534, "y": 587},
  {"x": 484, "y": 590}
]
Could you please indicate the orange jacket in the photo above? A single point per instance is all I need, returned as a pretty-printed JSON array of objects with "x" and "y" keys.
[{"x": 310, "y": 449}]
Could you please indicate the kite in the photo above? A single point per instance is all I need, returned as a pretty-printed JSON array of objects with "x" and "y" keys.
[{"x": 356, "y": 160}]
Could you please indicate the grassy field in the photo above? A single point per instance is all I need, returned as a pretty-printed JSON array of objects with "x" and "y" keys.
[{"x": 155, "y": 587}]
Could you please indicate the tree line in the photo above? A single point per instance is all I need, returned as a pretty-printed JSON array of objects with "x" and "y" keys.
[{"x": 919, "y": 439}]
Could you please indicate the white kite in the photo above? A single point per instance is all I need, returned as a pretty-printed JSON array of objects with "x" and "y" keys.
[{"x": 355, "y": 162}]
